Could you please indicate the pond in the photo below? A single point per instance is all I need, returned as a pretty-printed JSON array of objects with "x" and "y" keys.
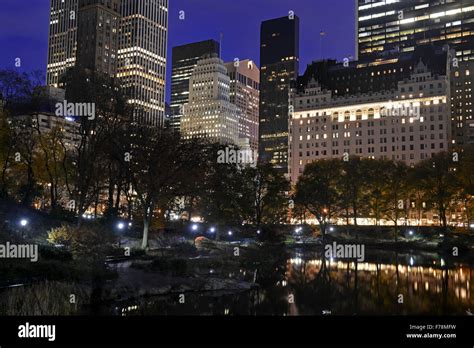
[{"x": 299, "y": 282}]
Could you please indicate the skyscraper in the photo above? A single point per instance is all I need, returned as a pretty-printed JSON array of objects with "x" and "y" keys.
[
  {"x": 142, "y": 57},
  {"x": 400, "y": 25},
  {"x": 279, "y": 58},
  {"x": 184, "y": 60},
  {"x": 61, "y": 40},
  {"x": 244, "y": 93},
  {"x": 209, "y": 113},
  {"x": 391, "y": 27},
  {"x": 98, "y": 25},
  {"x": 125, "y": 38}
]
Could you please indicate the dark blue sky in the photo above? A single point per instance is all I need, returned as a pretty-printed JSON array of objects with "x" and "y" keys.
[{"x": 24, "y": 28}]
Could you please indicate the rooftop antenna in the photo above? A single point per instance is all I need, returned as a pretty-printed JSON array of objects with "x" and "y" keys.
[
  {"x": 322, "y": 34},
  {"x": 221, "y": 38}
]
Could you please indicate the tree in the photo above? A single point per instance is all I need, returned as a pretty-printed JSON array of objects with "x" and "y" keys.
[
  {"x": 376, "y": 175},
  {"x": 439, "y": 182},
  {"x": 317, "y": 190},
  {"x": 86, "y": 179},
  {"x": 157, "y": 164},
  {"x": 222, "y": 195},
  {"x": 352, "y": 185},
  {"x": 394, "y": 197},
  {"x": 465, "y": 177},
  {"x": 264, "y": 195}
]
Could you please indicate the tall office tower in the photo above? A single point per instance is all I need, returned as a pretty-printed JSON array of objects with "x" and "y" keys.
[
  {"x": 386, "y": 26},
  {"x": 61, "y": 40},
  {"x": 462, "y": 100},
  {"x": 98, "y": 24},
  {"x": 279, "y": 60},
  {"x": 142, "y": 57},
  {"x": 245, "y": 94},
  {"x": 184, "y": 60},
  {"x": 209, "y": 113}
]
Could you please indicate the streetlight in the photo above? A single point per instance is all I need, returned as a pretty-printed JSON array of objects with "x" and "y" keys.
[
  {"x": 194, "y": 227},
  {"x": 23, "y": 222},
  {"x": 229, "y": 233},
  {"x": 212, "y": 230},
  {"x": 120, "y": 225}
]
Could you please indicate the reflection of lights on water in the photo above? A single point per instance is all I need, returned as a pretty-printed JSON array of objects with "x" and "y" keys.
[
  {"x": 427, "y": 286},
  {"x": 129, "y": 309},
  {"x": 442, "y": 263},
  {"x": 283, "y": 283},
  {"x": 226, "y": 311},
  {"x": 412, "y": 262}
]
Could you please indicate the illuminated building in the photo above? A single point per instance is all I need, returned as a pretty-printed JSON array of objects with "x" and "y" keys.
[
  {"x": 461, "y": 103},
  {"x": 61, "y": 40},
  {"x": 125, "y": 38},
  {"x": 184, "y": 60},
  {"x": 209, "y": 113},
  {"x": 244, "y": 93},
  {"x": 97, "y": 35},
  {"x": 142, "y": 57},
  {"x": 396, "y": 26},
  {"x": 279, "y": 52},
  {"x": 337, "y": 111}
]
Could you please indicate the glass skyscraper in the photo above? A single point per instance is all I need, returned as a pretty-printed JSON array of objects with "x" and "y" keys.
[
  {"x": 279, "y": 60},
  {"x": 393, "y": 26}
]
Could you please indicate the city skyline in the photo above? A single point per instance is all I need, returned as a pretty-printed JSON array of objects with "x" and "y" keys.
[{"x": 239, "y": 40}]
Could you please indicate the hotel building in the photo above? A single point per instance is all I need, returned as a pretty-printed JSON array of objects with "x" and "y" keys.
[{"x": 397, "y": 109}]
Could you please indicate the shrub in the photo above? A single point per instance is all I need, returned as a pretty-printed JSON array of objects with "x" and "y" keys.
[{"x": 60, "y": 235}]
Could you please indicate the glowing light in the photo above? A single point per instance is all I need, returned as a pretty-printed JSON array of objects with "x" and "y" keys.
[
  {"x": 194, "y": 227},
  {"x": 229, "y": 233},
  {"x": 23, "y": 222},
  {"x": 212, "y": 230},
  {"x": 120, "y": 225}
]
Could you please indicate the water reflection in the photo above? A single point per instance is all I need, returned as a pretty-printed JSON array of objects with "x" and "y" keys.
[{"x": 304, "y": 283}]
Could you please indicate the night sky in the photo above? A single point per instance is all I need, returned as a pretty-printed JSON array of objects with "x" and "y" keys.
[{"x": 24, "y": 28}]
